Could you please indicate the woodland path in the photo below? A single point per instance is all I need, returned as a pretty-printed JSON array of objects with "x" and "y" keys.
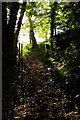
[{"x": 40, "y": 95}]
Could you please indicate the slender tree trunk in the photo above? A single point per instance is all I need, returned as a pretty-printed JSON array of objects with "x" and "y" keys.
[
  {"x": 34, "y": 43},
  {"x": 20, "y": 19},
  {"x": 19, "y": 24},
  {"x": 32, "y": 37}
]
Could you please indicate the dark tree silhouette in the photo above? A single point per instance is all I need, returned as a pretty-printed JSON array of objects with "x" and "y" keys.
[{"x": 10, "y": 38}]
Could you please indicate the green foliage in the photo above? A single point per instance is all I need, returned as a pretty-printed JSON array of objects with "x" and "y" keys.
[
  {"x": 39, "y": 51},
  {"x": 50, "y": 84},
  {"x": 36, "y": 13},
  {"x": 27, "y": 48}
]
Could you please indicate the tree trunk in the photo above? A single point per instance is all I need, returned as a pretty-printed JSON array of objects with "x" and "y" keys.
[
  {"x": 34, "y": 43},
  {"x": 55, "y": 30},
  {"x": 32, "y": 37},
  {"x": 53, "y": 26},
  {"x": 4, "y": 35},
  {"x": 4, "y": 25},
  {"x": 11, "y": 27},
  {"x": 20, "y": 18},
  {"x": 19, "y": 23}
]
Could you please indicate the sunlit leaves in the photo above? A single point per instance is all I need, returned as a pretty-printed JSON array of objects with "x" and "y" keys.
[{"x": 38, "y": 13}]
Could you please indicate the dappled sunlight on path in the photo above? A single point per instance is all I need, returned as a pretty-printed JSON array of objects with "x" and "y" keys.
[{"x": 39, "y": 96}]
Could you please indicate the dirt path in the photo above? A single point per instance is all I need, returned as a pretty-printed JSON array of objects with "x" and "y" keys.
[
  {"x": 36, "y": 97},
  {"x": 39, "y": 96}
]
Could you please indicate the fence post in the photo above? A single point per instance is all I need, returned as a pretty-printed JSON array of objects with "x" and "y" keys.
[
  {"x": 19, "y": 58},
  {"x": 22, "y": 70}
]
